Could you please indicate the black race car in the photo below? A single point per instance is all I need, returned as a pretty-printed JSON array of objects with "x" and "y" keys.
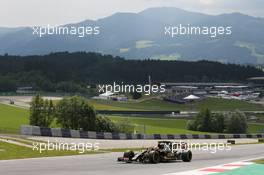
[{"x": 164, "y": 152}]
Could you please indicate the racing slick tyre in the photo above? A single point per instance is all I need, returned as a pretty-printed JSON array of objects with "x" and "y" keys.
[
  {"x": 129, "y": 155},
  {"x": 154, "y": 157},
  {"x": 187, "y": 156}
]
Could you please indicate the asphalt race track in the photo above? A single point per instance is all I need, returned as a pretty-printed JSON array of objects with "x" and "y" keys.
[{"x": 105, "y": 164}]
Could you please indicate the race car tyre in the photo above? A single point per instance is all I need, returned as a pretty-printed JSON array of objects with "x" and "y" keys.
[
  {"x": 154, "y": 157},
  {"x": 129, "y": 155},
  {"x": 187, "y": 156}
]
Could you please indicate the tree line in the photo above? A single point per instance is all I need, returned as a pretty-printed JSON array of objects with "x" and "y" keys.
[
  {"x": 71, "y": 72},
  {"x": 206, "y": 121},
  {"x": 76, "y": 113},
  {"x": 72, "y": 113}
]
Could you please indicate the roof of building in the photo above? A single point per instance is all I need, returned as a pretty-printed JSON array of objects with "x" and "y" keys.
[
  {"x": 106, "y": 94},
  {"x": 191, "y": 97}
]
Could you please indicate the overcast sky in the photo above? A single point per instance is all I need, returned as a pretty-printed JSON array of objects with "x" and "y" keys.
[{"x": 55, "y": 12}]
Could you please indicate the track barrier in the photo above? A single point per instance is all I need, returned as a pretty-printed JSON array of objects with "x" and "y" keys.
[{"x": 68, "y": 133}]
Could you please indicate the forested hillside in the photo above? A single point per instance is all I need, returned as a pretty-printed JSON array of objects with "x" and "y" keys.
[{"x": 73, "y": 71}]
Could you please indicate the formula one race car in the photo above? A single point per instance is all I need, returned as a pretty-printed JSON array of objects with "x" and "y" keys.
[{"x": 164, "y": 152}]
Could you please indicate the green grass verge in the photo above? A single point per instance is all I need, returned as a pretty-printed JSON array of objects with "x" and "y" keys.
[
  {"x": 261, "y": 161},
  {"x": 123, "y": 149},
  {"x": 167, "y": 126},
  {"x": 255, "y": 128},
  {"x": 214, "y": 104},
  {"x": 156, "y": 125},
  {"x": 11, "y": 118},
  {"x": 11, "y": 151}
]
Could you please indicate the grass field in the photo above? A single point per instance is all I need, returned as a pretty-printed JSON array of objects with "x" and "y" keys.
[
  {"x": 156, "y": 125},
  {"x": 255, "y": 127},
  {"x": 167, "y": 126},
  {"x": 214, "y": 104},
  {"x": 11, "y": 151},
  {"x": 261, "y": 161},
  {"x": 11, "y": 118}
]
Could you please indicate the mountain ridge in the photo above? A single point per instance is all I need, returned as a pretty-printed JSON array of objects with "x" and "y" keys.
[{"x": 141, "y": 35}]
